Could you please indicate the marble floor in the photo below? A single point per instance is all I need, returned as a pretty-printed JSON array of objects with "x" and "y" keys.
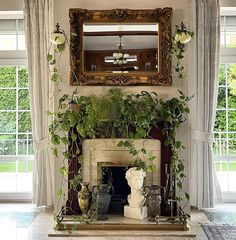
[{"x": 26, "y": 222}]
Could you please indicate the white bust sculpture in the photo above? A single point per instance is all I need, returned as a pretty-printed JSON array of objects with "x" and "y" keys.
[{"x": 135, "y": 180}]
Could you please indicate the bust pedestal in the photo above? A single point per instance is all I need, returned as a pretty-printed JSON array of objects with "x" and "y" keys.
[{"x": 135, "y": 212}]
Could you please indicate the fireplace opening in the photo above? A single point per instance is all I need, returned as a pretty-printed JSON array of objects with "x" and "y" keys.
[{"x": 121, "y": 189}]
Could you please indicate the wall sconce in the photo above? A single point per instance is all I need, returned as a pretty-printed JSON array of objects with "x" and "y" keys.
[
  {"x": 58, "y": 36},
  {"x": 183, "y": 35}
]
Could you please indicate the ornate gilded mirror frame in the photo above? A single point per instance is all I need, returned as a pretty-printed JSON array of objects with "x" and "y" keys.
[{"x": 78, "y": 17}]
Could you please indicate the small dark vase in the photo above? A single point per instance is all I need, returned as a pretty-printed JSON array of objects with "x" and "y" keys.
[
  {"x": 84, "y": 197},
  {"x": 103, "y": 199},
  {"x": 153, "y": 201}
]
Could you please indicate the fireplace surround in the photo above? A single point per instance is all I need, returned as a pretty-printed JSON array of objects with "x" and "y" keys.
[
  {"x": 100, "y": 153},
  {"x": 88, "y": 149}
]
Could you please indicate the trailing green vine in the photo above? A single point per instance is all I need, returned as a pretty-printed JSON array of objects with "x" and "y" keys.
[{"x": 182, "y": 36}]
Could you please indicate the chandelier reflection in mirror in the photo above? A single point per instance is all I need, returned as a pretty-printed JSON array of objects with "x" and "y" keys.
[{"x": 120, "y": 57}]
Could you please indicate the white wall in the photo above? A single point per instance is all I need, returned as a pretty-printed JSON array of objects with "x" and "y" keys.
[
  {"x": 227, "y": 3},
  {"x": 180, "y": 13},
  {"x": 11, "y": 5}
]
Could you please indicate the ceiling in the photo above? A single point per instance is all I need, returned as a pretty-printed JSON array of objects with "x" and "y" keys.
[{"x": 112, "y": 42}]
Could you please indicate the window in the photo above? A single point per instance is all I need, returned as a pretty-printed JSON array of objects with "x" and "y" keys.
[
  {"x": 16, "y": 142},
  {"x": 12, "y": 34},
  {"x": 225, "y": 127}
]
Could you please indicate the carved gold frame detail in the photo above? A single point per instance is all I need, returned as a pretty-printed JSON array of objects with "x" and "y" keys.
[{"x": 162, "y": 16}]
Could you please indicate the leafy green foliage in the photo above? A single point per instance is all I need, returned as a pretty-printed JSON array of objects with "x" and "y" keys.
[
  {"x": 23, "y": 99},
  {"x": 24, "y": 122},
  {"x": 7, "y": 122},
  {"x": 226, "y": 71},
  {"x": 8, "y": 101},
  {"x": 138, "y": 111},
  {"x": 7, "y": 76},
  {"x": 23, "y": 77}
]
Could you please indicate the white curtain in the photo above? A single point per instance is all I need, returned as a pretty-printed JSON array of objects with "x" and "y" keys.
[
  {"x": 203, "y": 83},
  {"x": 38, "y": 18}
]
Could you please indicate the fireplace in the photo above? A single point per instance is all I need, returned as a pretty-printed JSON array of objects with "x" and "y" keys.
[
  {"x": 104, "y": 153},
  {"x": 99, "y": 153}
]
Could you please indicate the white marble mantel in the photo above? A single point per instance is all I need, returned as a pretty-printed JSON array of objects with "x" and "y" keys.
[{"x": 105, "y": 152}]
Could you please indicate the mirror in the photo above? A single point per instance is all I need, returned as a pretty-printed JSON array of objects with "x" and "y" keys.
[{"x": 120, "y": 47}]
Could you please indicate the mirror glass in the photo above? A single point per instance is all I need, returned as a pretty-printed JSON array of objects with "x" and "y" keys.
[{"x": 120, "y": 48}]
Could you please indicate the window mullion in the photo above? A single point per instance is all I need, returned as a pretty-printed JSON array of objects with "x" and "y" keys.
[
  {"x": 17, "y": 34},
  {"x": 225, "y": 31},
  {"x": 227, "y": 124},
  {"x": 17, "y": 128}
]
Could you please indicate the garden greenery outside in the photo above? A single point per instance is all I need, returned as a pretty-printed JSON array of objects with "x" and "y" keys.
[{"x": 15, "y": 122}]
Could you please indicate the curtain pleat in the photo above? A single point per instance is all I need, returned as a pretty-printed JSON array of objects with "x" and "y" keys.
[
  {"x": 204, "y": 84},
  {"x": 38, "y": 19}
]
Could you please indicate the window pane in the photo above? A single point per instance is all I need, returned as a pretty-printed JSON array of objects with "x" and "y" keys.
[
  {"x": 231, "y": 74},
  {"x": 7, "y": 76},
  {"x": 232, "y": 121},
  {"x": 7, "y": 122},
  {"x": 230, "y": 39},
  {"x": 232, "y": 175},
  {"x": 20, "y": 26},
  {"x": 7, "y": 99},
  {"x": 22, "y": 147},
  {"x": 31, "y": 147},
  {"x": 232, "y": 98},
  {"x": 23, "y": 101},
  {"x": 220, "y": 146},
  {"x": 220, "y": 123},
  {"x": 222, "y": 74},
  {"x": 232, "y": 146},
  {"x": 7, "y": 144},
  {"x": 232, "y": 135},
  {"x": 22, "y": 76},
  {"x": 7, "y": 26},
  {"x": 7, "y": 42},
  {"x": 221, "y": 102},
  {"x": 231, "y": 31},
  {"x": 7, "y": 166},
  {"x": 21, "y": 42},
  {"x": 222, "y": 174},
  {"x": 24, "y": 144},
  {"x": 24, "y": 122},
  {"x": 25, "y": 166},
  {"x": 222, "y": 39}
]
